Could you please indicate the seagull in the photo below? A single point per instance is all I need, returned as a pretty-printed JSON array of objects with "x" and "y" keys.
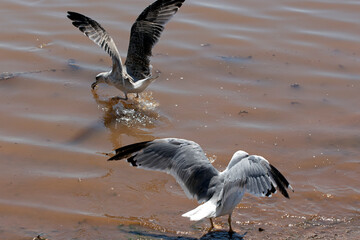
[
  {"x": 219, "y": 192},
  {"x": 135, "y": 75}
]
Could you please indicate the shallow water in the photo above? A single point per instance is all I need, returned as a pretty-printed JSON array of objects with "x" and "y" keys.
[{"x": 274, "y": 78}]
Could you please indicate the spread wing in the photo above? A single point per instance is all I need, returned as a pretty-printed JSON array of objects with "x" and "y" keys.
[
  {"x": 257, "y": 176},
  {"x": 97, "y": 34},
  {"x": 183, "y": 159},
  {"x": 145, "y": 32}
]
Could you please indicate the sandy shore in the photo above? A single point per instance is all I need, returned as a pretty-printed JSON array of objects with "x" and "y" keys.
[{"x": 310, "y": 229}]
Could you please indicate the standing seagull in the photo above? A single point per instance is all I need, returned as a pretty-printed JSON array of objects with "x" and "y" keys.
[
  {"x": 135, "y": 75},
  {"x": 219, "y": 191}
]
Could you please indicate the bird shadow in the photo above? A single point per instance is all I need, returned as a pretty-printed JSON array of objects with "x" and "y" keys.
[{"x": 219, "y": 234}]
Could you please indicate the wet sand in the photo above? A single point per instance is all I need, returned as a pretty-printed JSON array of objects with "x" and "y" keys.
[{"x": 278, "y": 79}]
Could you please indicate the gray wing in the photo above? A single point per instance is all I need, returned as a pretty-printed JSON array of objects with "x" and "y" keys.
[
  {"x": 145, "y": 32},
  {"x": 183, "y": 159},
  {"x": 257, "y": 176},
  {"x": 97, "y": 34}
]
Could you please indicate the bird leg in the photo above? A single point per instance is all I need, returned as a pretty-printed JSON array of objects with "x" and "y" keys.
[
  {"x": 231, "y": 231},
  {"x": 117, "y": 98},
  {"x": 137, "y": 95},
  {"x": 212, "y": 225}
]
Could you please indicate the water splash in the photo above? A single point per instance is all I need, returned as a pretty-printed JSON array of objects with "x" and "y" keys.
[{"x": 135, "y": 112}]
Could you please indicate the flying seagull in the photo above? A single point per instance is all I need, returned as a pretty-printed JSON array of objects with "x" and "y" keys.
[
  {"x": 219, "y": 192},
  {"x": 135, "y": 75}
]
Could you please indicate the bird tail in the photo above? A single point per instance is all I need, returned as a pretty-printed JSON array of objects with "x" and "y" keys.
[{"x": 207, "y": 209}]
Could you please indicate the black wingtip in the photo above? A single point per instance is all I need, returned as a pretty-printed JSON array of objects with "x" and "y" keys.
[
  {"x": 75, "y": 16},
  {"x": 113, "y": 158},
  {"x": 280, "y": 181},
  {"x": 71, "y": 14},
  {"x": 124, "y": 152},
  {"x": 270, "y": 191}
]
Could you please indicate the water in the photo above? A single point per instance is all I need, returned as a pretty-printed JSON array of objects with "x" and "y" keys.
[{"x": 275, "y": 78}]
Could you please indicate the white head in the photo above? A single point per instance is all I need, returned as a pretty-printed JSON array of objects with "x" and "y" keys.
[{"x": 237, "y": 157}]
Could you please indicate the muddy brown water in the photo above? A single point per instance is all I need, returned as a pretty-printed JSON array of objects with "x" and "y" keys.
[{"x": 274, "y": 78}]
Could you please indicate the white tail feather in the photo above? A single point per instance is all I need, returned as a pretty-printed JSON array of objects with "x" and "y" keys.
[{"x": 207, "y": 209}]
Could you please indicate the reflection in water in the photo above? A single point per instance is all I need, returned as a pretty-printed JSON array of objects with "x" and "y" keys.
[
  {"x": 133, "y": 113},
  {"x": 133, "y": 117}
]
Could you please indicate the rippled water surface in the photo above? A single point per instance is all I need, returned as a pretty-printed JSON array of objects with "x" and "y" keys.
[{"x": 279, "y": 79}]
